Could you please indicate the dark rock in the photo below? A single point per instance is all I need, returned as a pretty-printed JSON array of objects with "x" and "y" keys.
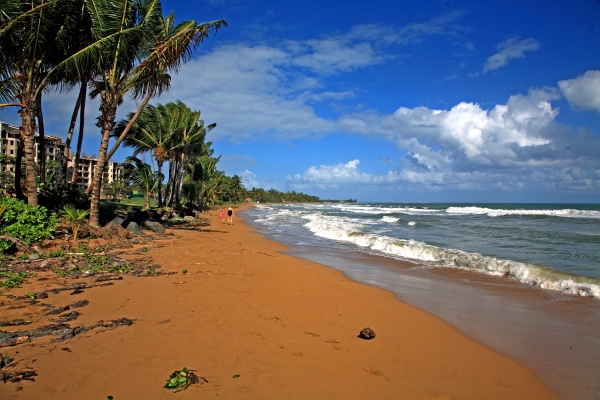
[
  {"x": 117, "y": 221},
  {"x": 135, "y": 215},
  {"x": 367, "y": 334},
  {"x": 40, "y": 295},
  {"x": 4, "y": 361},
  {"x": 152, "y": 215},
  {"x": 134, "y": 228},
  {"x": 155, "y": 227},
  {"x": 76, "y": 291}
]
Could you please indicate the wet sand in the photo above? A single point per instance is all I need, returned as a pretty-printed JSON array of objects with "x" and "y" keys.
[{"x": 256, "y": 323}]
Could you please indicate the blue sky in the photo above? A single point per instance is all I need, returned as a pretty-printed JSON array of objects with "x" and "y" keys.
[{"x": 495, "y": 101}]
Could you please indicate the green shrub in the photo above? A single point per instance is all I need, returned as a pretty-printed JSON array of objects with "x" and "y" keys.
[{"x": 25, "y": 222}]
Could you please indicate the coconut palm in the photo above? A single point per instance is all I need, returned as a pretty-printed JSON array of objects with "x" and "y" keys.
[
  {"x": 190, "y": 134},
  {"x": 152, "y": 132},
  {"x": 133, "y": 50},
  {"x": 144, "y": 178},
  {"x": 34, "y": 37},
  {"x": 75, "y": 218}
]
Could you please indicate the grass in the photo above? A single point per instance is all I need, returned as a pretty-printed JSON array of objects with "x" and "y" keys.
[{"x": 138, "y": 202}]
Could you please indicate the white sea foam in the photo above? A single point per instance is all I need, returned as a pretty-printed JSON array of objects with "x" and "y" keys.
[
  {"x": 347, "y": 230},
  {"x": 412, "y": 223},
  {"x": 386, "y": 218},
  {"x": 356, "y": 209},
  {"x": 492, "y": 212}
]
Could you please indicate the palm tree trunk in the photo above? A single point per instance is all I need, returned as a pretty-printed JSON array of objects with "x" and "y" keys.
[
  {"x": 42, "y": 160},
  {"x": 130, "y": 124},
  {"x": 201, "y": 195},
  {"x": 27, "y": 131},
  {"x": 80, "y": 136},
  {"x": 19, "y": 171},
  {"x": 159, "y": 164},
  {"x": 107, "y": 121},
  {"x": 179, "y": 182},
  {"x": 171, "y": 181},
  {"x": 67, "y": 151}
]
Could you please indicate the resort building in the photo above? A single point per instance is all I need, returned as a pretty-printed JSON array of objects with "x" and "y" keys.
[
  {"x": 85, "y": 171},
  {"x": 10, "y": 138},
  {"x": 55, "y": 148}
]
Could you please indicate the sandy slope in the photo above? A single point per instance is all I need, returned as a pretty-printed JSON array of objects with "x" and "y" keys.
[{"x": 259, "y": 325}]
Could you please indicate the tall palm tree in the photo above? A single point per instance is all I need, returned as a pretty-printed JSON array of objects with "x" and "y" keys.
[
  {"x": 33, "y": 39},
  {"x": 236, "y": 189},
  {"x": 190, "y": 134},
  {"x": 152, "y": 132},
  {"x": 134, "y": 48}
]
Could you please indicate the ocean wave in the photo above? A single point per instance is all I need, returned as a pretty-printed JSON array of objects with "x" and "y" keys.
[
  {"x": 378, "y": 210},
  {"x": 543, "y": 277},
  {"x": 492, "y": 212},
  {"x": 386, "y": 218}
]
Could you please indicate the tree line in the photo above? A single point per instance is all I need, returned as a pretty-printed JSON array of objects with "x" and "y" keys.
[
  {"x": 175, "y": 134},
  {"x": 110, "y": 48}
]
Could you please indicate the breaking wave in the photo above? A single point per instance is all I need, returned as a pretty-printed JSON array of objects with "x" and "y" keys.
[
  {"x": 347, "y": 230},
  {"x": 492, "y": 212}
]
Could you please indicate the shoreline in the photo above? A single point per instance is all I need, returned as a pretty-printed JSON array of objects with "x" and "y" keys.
[{"x": 257, "y": 323}]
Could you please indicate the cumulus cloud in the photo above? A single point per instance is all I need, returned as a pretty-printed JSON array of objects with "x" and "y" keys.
[
  {"x": 583, "y": 91},
  {"x": 508, "y": 50},
  {"x": 335, "y": 175},
  {"x": 471, "y": 147}
]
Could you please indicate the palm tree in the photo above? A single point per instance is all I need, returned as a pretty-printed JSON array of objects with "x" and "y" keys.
[
  {"x": 74, "y": 217},
  {"x": 133, "y": 50},
  {"x": 152, "y": 132},
  {"x": 236, "y": 189},
  {"x": 190, "y": 134},
  {"x": 33, "y": 37},
  {"x": 143, "y": 177}
]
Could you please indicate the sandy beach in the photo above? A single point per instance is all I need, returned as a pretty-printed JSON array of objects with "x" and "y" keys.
[{"x": 254, "y": 323}]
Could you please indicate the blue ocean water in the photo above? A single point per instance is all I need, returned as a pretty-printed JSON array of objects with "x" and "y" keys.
[{"x": 550, "y": 246}]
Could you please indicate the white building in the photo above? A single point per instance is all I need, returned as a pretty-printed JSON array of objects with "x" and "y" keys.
[{"x": 55, "y": 148}]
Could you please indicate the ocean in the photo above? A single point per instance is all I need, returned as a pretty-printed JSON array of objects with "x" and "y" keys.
[{"x": 523, "y": 279}]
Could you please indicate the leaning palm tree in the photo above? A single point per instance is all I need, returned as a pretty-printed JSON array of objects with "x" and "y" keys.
[
  {"x": 152, "y": 132},
  {"x": 143, "y": 177},
  {"x": 190, "y": 133},
  {"x": 133, "y": 51}
]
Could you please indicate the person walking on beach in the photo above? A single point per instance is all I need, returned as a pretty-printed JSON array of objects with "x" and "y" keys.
[
  {"x": 223, "y": 215},
  {"x": 230, "y": 215}
]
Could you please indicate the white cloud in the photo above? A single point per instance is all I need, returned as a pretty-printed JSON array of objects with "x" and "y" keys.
[
  {"x": 343, "y": 175},
  {"x": 583, "y": 91},
  {"x": 469, "y": 147},
  {"x": 508, "y": 50},
  {"x": 337, "y": 55},
  {"x": 249, "y": 91}
]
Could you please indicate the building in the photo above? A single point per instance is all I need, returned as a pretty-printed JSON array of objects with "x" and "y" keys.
[
  {"x": 55, "y": 149},
  {"x": 10, "y": 138},
  {"x": 85, "y": 171}
]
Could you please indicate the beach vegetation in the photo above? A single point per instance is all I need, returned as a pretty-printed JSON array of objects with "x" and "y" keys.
[
  {"x": 74, "y": 217},
  {"x": 12, "y": 280},
  {"x": 24, "y": 222}
]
